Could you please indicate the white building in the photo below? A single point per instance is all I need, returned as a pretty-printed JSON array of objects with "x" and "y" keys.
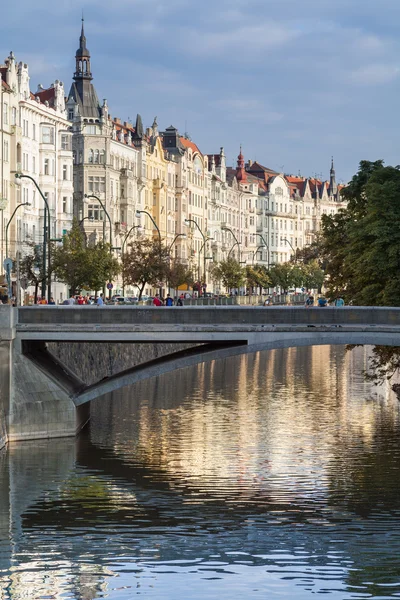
[{"x": 40, "y": 148}]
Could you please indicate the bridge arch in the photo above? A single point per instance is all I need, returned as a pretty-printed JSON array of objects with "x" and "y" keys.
[{"x": 210, "y": 352}]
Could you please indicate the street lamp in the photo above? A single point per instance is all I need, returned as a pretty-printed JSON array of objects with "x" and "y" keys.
[
  {"x": 87, "y": 196},
  {"x": 237, "y": 243},
  {"x": 294, "y": 251},
  {"x": 139, "y": 228},
  {"x": 46, "y": 274},
  {"x": 9, "y": 222},
  {"x": 255, "y": 252},
  {"x": 187, "y": 221},
  {"x": 265, "y": 246},
  {"x": 91, "y": 219},
  {"x": 139, "y": 212},
  {"x": 178, "y": 235}
]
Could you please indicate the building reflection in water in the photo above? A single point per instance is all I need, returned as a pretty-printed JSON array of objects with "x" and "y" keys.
[{"x": 262, "y": 451}]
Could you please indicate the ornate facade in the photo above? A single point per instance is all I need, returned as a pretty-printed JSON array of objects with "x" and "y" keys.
[{"x": 36, "y": 142}]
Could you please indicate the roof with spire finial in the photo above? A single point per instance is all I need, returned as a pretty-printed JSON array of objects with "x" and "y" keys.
[
  {"x": 241, "y": 174},
  {"x": 82, "y": 90},
  {"x": 82, "y": 50}
]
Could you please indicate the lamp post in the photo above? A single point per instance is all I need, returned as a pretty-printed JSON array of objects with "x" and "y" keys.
[
  {"x": 237, "y": 243},
  {"x": 138, "y": 213},
  {"x": 232, "y": 249},
  {"x": 46, "y": 273},
  {"x": 291, "y": 245},
  {"x": 187, "y": 221},
  {"x": 138, "y": 227},
  {"x": 255, "y": 252},
  {"x": 178, "y": 235},
  {"x": 87, "y": 196},
  {"x": 265, "y": 244},
  {"x": 91, "y": 219},
  {"x": 9, "y": 222}
]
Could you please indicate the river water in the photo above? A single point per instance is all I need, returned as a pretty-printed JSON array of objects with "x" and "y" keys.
[{"x": 274, "y": 475}]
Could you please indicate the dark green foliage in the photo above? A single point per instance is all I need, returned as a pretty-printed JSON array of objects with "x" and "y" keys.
[
  {"x": 361, "y": 244},
  {"x": 83, "y": 267}
]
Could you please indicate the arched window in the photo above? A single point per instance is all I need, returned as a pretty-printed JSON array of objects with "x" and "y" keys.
[
  {"x": 90, "y": 156},
  {"x": 97, "y": 156}
]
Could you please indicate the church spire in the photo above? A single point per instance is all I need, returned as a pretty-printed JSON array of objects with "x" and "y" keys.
[
  {"x": 332, "y": 181},
  {"x": 82, "y": 58}
]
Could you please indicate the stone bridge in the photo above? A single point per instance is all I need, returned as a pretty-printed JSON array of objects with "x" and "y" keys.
[{"x": 40, "y": 397}]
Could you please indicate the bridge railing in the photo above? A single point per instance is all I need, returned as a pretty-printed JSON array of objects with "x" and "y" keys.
[{"x": 227, "y": 316}]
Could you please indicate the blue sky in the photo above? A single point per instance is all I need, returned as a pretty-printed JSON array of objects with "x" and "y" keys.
[{"x": 293, "y": 81}]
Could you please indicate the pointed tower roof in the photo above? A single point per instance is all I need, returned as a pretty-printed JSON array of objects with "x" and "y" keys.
[
  {"x": 82, "y": 90},
  {"x": 82, "y": 50},
  {"x": 241, "y": 174},
  {"x": 332, "y": 191}
]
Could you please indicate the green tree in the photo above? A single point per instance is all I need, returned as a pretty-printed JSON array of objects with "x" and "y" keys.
[
  {"x": 80, "y": 266},
  {"x": 179, "y": 274},
  {"x": 229, "y": 272},
  {"x": 283, "y": 276},
  {"x": 31, "y": 267},
  {"x": 361, "y": 244},
  {"x": 312, "y": 275},
  {"x": 257, "y": 276},
  {"x": 146, "y": 262}
]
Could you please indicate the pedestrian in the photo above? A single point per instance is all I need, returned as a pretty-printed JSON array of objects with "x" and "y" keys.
[
  {"x": 309, "y": 302},
  {"x": 322, "y": 302},
  {"x": 71, "y": 300},
  {"x": 52, "y": 302},
  {"x": 100, "y": 301},
  {"x": 179, "y": 301},
  {"x": 80, "y": 300},
  {"x": 169, "y": 301},
  {"x": 156, "y": 300},
  {"x": 339, "y": 301}
]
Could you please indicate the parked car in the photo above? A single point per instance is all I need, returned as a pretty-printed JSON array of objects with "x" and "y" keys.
[{"x": 132, "y": 300}]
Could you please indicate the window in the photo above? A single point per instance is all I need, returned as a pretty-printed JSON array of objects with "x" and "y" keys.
[
  {"x": 91, "y": 129},
  {"x": 34, "y": 131},
  {"x": 95, "y": 212},
  {"x": 5, "y": 113},
  {"x": 34, "y": 164},
  {"x": 47, "y": 134},
  {"x": 46, "y": 166},
  {"x": 65, "y": 142},
  {"x": 90, "y": 158},
  {"x": 5, "y": 152},
  {"x": 13, "y": 116},
  {"x": 25, "y": 128},
  {"x": 65, "y": 172},
  {"x": 70, "y": 114},
  {"x": 33, "y": 198},
  {"x": 97, "y": 184},
  {"x": 96, "y": 156},
  {"x": 64, "y": 204}
]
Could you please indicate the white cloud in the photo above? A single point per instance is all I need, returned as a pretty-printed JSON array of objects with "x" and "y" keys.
[{"x": 374, "y": 74}]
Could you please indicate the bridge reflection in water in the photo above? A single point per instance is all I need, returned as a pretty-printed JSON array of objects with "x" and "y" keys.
[{"x": 271, "y": 474}]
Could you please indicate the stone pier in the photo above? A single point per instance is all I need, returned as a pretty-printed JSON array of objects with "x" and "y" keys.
[{"x": 33, "y": 404}]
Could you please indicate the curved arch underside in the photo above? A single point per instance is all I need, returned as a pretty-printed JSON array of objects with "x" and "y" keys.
[{"x": 217, "y": 351}]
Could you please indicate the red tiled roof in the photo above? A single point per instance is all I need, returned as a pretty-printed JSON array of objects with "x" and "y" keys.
[
  {"x": 189, "y": 144},
  {"x": 46, "y": 96}
]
